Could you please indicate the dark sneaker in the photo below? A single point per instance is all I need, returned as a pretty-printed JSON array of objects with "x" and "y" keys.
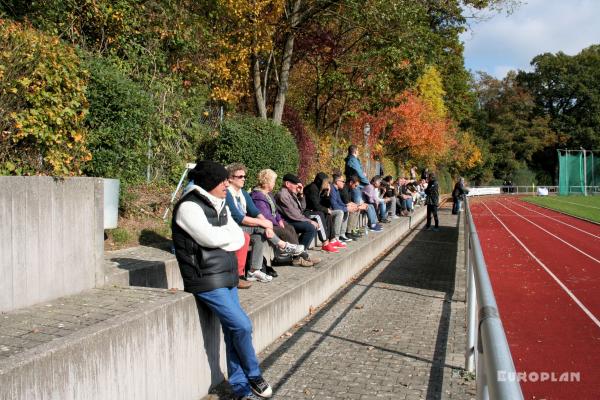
[
  {"x": 249, "y": 396},
  {"x": 271, "y": 271},
  {"x": 436, "y": 229},
  {"x": 376, "y": 228},
  {"x": 260, "y": 387},
  {"x": 345, "y": 239}
]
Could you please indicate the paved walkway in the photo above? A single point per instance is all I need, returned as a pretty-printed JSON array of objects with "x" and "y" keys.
[{"x": 397, "y": 332}]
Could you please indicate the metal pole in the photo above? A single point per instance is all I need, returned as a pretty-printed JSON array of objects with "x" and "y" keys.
[
  {"x": 367, "y": 132},
  {"x": 584, "y": 171}
]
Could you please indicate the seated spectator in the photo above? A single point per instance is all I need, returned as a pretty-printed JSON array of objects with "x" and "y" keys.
[
  {"x": 291, "y": 205},
  {"x": 371, "y": 196},
  {"x": 265, "y": 202},
  {"x": 405, "y": 197},
  {"x": 389, "y": 195},
  {"x": 323, "y": 215},
  {"x": 260, "y": 229},
  {"x": 352, "y": 230},
  {"x": 337, "y": 205}
]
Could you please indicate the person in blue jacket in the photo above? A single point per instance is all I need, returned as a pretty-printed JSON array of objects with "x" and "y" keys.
[{"x": 246, "y": 214}]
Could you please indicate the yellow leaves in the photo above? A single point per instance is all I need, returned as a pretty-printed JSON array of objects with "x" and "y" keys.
[
  {"x": 77, "y": 137},
  {"x": 248, "y": 30},
  {"x": 43, "y": 87},
  {"x": 431, "y": 89}
]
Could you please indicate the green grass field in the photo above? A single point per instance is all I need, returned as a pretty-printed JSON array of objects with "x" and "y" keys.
[{"x": 587, "y": 207}]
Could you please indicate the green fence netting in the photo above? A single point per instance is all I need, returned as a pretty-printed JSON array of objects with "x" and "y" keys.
[{"x": 579, "y": 171}]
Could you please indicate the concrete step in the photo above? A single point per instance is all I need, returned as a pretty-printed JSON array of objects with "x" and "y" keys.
[{"x": 144, "y": 343}]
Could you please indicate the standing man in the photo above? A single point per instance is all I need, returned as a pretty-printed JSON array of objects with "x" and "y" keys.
[
  {"x": 432, "y": 201},
  {"x": 458, "y": 195},
  {"x": 354, "y": 168},
  {"x": 205, "y": 238}
]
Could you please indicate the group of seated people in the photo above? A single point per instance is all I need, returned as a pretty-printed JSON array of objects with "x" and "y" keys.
[{"x": 280, "y": 226}]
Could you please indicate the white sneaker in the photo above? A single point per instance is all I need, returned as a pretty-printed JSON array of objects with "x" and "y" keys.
[
  {"x": 293, "y": 249},
  {"x": 260, "y": 276}
]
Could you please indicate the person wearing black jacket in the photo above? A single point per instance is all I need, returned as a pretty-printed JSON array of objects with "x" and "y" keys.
[
  {"x": 205, "y": 238},
  {"x": 458, "y": 195},
  {"x": 315, "y": 210},
  {"x": 432, "y": 201}
]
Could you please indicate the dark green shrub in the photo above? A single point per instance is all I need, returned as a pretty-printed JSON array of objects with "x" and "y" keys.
[
  {"x": 445, "y": 181},
  {"x": 120, "y": 120},
  {"x": 258, "y": 144}
]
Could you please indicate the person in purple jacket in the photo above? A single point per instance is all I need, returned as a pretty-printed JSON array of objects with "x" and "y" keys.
[
  {"x": 244, "y": 212},
  {"x": 265, "y": 203}
]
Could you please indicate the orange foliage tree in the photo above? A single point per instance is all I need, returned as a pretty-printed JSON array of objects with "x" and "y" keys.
[{"x": 409, "y": 132}]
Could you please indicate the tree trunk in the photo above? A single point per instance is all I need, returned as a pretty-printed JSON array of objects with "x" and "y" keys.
[
  {"x": 258, "y": 90},
  {"x": 286, "y": 64}
]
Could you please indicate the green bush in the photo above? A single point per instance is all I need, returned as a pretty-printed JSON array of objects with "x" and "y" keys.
[
  {"x": 258, "y": 144},
  {"x": 445, "y": 181},
  {"x": 120, "y": 120}
]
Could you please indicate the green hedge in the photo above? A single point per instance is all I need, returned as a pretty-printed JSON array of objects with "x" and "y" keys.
[
  {"x": 258, "y": 144},
  {"x": 120, "y": 118}
]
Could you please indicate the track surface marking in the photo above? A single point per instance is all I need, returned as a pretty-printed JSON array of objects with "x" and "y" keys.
[{"x": 548, "y": 331}]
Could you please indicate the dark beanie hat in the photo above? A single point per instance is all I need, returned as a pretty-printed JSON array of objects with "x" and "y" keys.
[
  {"x": 208, "y": 174},
  {"x": 291, "y": 178}
]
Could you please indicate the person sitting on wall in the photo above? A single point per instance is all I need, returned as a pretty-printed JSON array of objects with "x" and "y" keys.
[
  {"x": 323, "y": 215},
  {"x": 205, "y": 238},
  {"x": 370, "y": 194},
  {"x": 352, "y": 230},
  {"x": 265, "y": 202},
  {"x": 244, "y": 212},
  {"x": 389, "y": 194},
  {"x": 290, "y": 204},
  {"x": 337, "y": 204}
]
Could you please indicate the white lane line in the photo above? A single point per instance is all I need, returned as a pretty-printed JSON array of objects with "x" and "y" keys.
[
  {"x": 576, "y": 204},
  {"x": 555, "y": 219},
  {"x": 562, "y": 285},
  {"x": 552, "y": 234}
]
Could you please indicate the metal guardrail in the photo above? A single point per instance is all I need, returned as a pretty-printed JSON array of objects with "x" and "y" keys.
[{"x": 487, "y": 353}]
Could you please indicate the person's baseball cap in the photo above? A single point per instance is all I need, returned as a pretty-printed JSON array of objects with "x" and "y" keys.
[{"x": 291, "y": 178}]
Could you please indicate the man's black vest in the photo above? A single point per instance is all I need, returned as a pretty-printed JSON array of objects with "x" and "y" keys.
[{"x": 203, "y": 268}]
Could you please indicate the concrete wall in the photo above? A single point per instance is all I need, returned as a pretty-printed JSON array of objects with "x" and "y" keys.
[
  {"x": 51, "y": 238},
  {"x": 169, "y": 349}
]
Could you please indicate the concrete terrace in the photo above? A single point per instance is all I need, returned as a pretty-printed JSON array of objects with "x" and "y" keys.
[{"x": 397, "y": 323}]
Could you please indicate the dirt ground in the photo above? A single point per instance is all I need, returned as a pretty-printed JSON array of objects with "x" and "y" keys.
[{"x": 141, "y": 217}]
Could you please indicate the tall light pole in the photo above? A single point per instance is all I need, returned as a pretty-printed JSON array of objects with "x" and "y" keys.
[{"x": 367, "y": 132}]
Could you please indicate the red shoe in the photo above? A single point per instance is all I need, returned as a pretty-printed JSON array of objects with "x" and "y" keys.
[
  {"x": 330, "y": 248},
  {"x": 338, "y": 244}
]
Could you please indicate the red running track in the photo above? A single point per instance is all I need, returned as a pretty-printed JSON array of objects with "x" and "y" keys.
[{"x": 550, "y": 307}]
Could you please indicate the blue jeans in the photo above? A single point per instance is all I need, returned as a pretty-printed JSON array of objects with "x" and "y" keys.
[
  {"x": 242, "y": 363},
  {"x": 357, "y": 194},
  {"x": 456, "y": 207},
  {"x": 306, "y": 232},
  {"x": 371, "y": 215},
  {"x": 382, "y": 209}
]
